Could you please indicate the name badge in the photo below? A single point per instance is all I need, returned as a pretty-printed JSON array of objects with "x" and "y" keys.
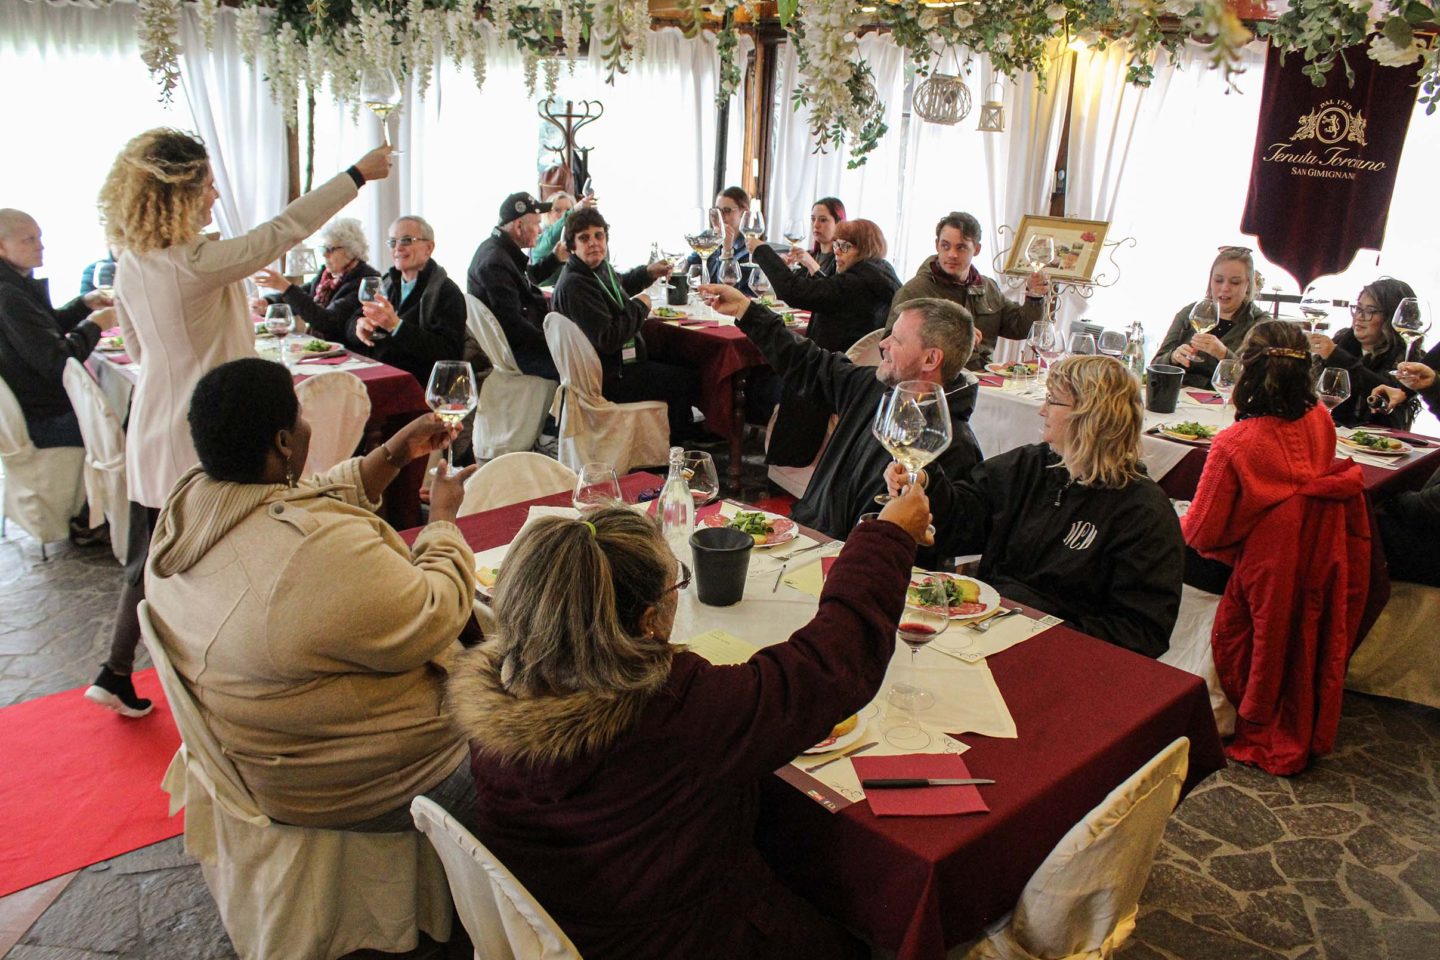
[{"x": 629, "y": 353}]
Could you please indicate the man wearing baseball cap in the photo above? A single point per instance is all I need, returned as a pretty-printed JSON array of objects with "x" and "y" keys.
[{"x": 502, "y": 278}]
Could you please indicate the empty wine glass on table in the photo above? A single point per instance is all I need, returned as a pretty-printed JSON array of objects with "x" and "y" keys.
[
  {"x": 1334, "y": 387},
  {"x": 1040, "y": 252},
  {"x": 1204, "y": 316},
  {"x": 596, "y": 486},
  {"x": 1410, "y": 322},
  {"x": 701, "y": 476},
  {"x": 381, "y": 96},
  {"x": 1081, "y": 345},
  {"x": 1226, "y": 375},
  {"x": 452, "y": 395},
  {"x": 920, "y": 622},
  {"x": 1111, "y": 343}
]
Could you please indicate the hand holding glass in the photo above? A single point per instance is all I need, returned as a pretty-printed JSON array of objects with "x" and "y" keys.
[
  {"x": 1204, "y": 316},
  {"x": 381, "y": 95},
  {"x": 452, "y": 395}
]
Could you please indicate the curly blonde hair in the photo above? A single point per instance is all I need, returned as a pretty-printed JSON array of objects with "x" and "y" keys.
[
  {"x": 155, "y": 193},
  {"x": 1103, "y": 430}
]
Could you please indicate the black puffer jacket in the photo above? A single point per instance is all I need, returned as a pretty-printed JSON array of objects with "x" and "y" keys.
[{"x": 35, "y": 341}]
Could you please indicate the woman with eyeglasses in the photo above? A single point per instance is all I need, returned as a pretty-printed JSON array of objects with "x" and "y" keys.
[
  {"x": 1072, "y": 525},
  {"x": 1233, "y": 284},
  {"x": 183, "y": 311},
  {"x": 333, "y": 297},
  {"x": 1370, "y": 348},
  {"x": 618, "y": 774},
  {"x": 843, "y": 308},
  {"x": 1409, "y": 522}
]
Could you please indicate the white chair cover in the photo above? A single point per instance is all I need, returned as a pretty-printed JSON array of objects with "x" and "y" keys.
[
  {"x": 514, "y": 478},
  {"x": 503, "y": 920},
  {"x": 593, "y": 429},
  {"x": 1400, "y": 656},
  {"x": 105, "y": 489},
  {"x": 338, "y": 407},
  {"x": 864, "y": 352},
  {"x": 43, "y": 488},
  {"x": 513, "y": 405},
  {"x": 1080, "y": 904},
  {"x": 292, "y": 892},
  {"x": 1190, "y": 650}
]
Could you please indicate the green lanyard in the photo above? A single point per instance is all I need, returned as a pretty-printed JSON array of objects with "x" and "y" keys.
[{"x": 611, "y": 285}]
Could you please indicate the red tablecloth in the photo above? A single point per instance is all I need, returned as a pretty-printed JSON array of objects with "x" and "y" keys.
[
  {"x": 1184, "y": 477},
  {"x": 1089, "y": 714},
  {"x": 719, "y": 354},
  {"x": 393, "y": 392}
]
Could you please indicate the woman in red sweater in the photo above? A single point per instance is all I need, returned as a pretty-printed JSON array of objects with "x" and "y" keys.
[{"x": 618, "y": 776}]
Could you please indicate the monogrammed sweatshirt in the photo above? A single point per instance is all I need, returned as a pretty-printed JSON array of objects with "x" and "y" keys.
[{"x": 1109, "y": 561}]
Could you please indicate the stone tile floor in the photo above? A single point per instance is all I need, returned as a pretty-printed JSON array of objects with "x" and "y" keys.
[{"x": 1340, "y": 862}]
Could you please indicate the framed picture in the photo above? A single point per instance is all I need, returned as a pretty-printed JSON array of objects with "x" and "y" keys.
[{"x": 1076, "y": 243}]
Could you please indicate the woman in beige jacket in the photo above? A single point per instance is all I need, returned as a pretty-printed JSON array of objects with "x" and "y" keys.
[
  {"x": 182, "y": 310},
  {"x": 310, "y": 636}
]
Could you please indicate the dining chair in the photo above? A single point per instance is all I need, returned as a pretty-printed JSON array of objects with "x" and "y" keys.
[
  {"x": 1400, "y": 656},
  {"x": 627, "y": 435},
  {"x": 1081, "y": 902},
  {"x": 286, "y": 891},
  {"x": 513, "y": 405},
  {"x": 515, "y": 478},
  {"x": 338, "y": 406},
  {"x": 43, "y": 488},
  {"x": 1190, "y": 650},
  {"x": 504, "y": 921},
  {"x": 105, "y": 488}
]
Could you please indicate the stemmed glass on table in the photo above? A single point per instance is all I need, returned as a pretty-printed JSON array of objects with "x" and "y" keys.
[
  {"x": 381, "y": 96},
  {"x": 1044, "y": 339},
  {"x": 729, "y": 271},
  {"x": 452, "y": 395},
  {"x": 1334, "y": 387},
  {"x": 700, "y": 474},
  {"x": 1111, "y": 343},
  {"x": 279, "y": 321},
  {"x": 1082, "y": 344},
  {"x": 596, "y": 486},
  {"x": 1226, "y": 375},
  {"x": 920, "y": 623}
]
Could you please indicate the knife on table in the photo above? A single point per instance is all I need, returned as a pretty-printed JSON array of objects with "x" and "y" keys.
[{"x": 887, "y": 783}]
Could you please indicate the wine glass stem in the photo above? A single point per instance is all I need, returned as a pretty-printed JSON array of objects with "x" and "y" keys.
[
  {"x": 914, "y": 476},
  {"x": 914, "y": 687}
]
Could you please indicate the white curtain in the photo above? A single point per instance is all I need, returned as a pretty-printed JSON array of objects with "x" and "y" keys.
[
  {"x": 799, "y": 177},
  {"x": 243, "y": 128}
]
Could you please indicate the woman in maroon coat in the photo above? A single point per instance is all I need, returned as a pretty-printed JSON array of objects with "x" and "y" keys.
[{"x": 618, "y": 776}]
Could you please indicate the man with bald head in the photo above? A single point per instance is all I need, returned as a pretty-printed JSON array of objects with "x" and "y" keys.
[
  {"x": 36, "y": 339},
  {"x": 419, "y": 316}
]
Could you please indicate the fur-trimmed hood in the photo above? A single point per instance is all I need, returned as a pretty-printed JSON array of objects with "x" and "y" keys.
[{"x": 536, "y": 730}]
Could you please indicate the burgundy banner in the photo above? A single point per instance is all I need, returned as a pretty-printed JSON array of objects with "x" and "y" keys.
[{"x": 1325, "y": 161}]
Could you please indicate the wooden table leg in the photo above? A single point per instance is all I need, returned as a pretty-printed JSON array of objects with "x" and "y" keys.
[{"x": 737, "y": 436}]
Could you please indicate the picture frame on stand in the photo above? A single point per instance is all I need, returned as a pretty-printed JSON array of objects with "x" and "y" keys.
[{"x": 1077, "y": 247}]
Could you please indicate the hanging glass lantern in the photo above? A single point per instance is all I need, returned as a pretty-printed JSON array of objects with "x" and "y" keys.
[
  {"x": 992, "y": 109},
  {"x": 942, "y": 98}
]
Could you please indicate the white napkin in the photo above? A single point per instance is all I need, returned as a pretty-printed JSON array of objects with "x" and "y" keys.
[{"x": 972, "y": 646}]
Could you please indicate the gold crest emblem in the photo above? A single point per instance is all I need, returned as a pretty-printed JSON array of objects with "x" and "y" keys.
[{"x": 1332, "y": 122}]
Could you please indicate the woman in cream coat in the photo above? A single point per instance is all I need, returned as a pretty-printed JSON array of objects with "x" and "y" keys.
[
  {"x": 182, "y": 310},
  {"x": 327, "y": 698}
]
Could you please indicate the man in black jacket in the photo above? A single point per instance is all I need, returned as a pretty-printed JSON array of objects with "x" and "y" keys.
[
  {"x": 502, "y": 278},
  {"x": 36, "y": 339},
  {"x": 419, "y": 318},
  {"x": 932, "y": 340}
]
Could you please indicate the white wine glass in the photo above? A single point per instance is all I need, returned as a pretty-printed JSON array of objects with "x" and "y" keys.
[
  {"x": 753, "y": 223},
  {"x": 795, "y": 232},
  {"x": 452, "y": 395},
  {"x": 715, "y": 220},
  {"x": 1040, "y": 252},
  {"x": 381, "y": 96},
  {"x": 702, "y": 477},
  {"x": 1334, "y": 387},
  {"x": 1226, "y": 375},
  {"x": 588, "y": 190},
  {"x": 1081, "y": 344},
  {"x": 1410, "y": 322},
  {"x": 920, "y": 622},
  {"x": 596, "y": 486},
  {"x": 917, "y": 427},
  {"x": 695, "y": 274},
  {"x": 1111, "y": 343},
  {"x": 104, "y": 278},
  {"x": 1314, "y": 308},
  {"x": 1204, "y": 316},
  {"x": 1044, "y": 339}
]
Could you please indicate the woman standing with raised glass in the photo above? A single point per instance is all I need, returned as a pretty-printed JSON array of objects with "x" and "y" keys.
[{"x": 182, "y": 308}]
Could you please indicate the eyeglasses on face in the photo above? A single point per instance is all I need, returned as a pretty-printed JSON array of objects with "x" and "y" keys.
[
  {"x": 683, "y": 582},
  {"x": 842, "y": 246},
  {"x": 327, "y": 250},
  {"x": 1050, "y": 401},
  {"x": 1357, "y": 312},
  {"x": 394, "y": 242}
]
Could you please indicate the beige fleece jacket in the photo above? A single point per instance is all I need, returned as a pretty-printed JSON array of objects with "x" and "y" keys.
[{"x": 312, "y": 639}]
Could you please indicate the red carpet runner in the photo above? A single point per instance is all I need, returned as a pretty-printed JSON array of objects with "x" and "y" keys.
[{"x": 79, "y": 784}]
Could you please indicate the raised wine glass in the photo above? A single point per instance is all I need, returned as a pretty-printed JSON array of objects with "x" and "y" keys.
[
  {"x": 753, "y": 223},
  {"x": 1410, "y": 323},
  {"x": 795, "y": 232},
  {"x": 381, "y": 96},
  {"x": 1111, "y": 343},
  {"x": 716, "y": 221},
  {"x": 1315, "y": 308},
  {"x": 920, "y": 622},
  {"x": 760, "y": 284},
  {"x": 917, "y": 426},
  {"x": 729, "y": 271},
  {"x": 104, "y": 278},
  {"x": 696, "y": 275},
  {"x": 1334, "y": 387},
  {"x": 452, "y": 395},
  {"x": 1040, "y": 252},
  {"x": 596, "y": 486},
  {"x": 1204, "y": 316}
]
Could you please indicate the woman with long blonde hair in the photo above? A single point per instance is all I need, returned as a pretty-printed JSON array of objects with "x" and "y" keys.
[
  {"x": 182, "y": 310},
  {"x": 1233, "y": 285},
  {"x": 1072, "y": 525}
]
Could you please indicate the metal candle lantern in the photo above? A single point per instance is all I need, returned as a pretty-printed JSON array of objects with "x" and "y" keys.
[
  {"x": 942, "y": 98},
  {"x": 992, "y": 109}
]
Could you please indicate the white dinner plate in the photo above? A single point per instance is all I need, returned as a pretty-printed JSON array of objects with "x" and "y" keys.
[
  {"x": 989, "y": 597},
  {"x": 831, "y": 744}
]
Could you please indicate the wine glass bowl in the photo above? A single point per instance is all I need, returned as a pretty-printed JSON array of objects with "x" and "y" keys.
[
  {"x": 1040, "y": 252},
  {"x": 1314, "y": 308},
  {"x": 597, "y": 485},
  {"x": 452, "y": 394},
  {"x": 1333, "y": 388},
  {"x": 1081, "y": 344},
  {"x": 1204, "y": 316},
  {"x": 702, "y": 477},
  {"x": 1410, "y": 323},
  {"x": 381, "y": 96},
  {"x": 753, "y": 223},
  {"x": 729, "y": 271},
  {"x": 1111, "y": 343},
  {"x": 1226, "y": 375}
]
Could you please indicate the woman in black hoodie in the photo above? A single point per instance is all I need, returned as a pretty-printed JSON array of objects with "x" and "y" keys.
[
  {"x": 609, "y": 309},
  {"x": 844, "y": 306}
]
